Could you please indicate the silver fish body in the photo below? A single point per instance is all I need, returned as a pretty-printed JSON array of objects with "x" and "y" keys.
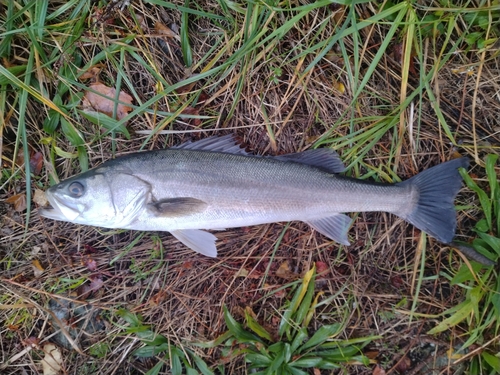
[{"x": 213, "y": 184}]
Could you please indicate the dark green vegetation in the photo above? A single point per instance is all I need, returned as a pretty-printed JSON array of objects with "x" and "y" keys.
[{"x": 395, "y": 87}]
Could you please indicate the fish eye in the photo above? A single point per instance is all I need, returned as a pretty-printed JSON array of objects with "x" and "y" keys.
[{"x": 76, "y": 189}]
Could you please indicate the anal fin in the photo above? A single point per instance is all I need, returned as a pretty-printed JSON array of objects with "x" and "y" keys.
[
  {"x": 198, "y": 240},
  {"x": 334, "y": 227}
]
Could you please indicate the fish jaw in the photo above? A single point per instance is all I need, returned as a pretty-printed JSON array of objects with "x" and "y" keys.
[{"x": 59, "y": 210}]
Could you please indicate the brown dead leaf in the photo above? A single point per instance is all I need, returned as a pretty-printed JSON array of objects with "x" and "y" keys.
[
  {"x": 96, "y": 284},
  {"x": 249, "y": 274},
  {"x": 36, "y": 163},
  {"x": 105, "y": 102},
  {"x": 92, "y": 74},
  {"x": 339, "y": 87},
  {"x": 403, "y": 365},
  {"x": 322, "y": 269},
  {"x": 18, "y": 200},
  {"x": 89, "y": 249},
  {"x": 90, "y": 263},
  {"x": 316, "y": 371},
  {"x": 378, "y": 371},
  {"x": 397, "y": 282},
  {"x": 371, "y": 354},
  {"x": 31, "y": 341},
  {"x": 20, "y": 158},
  {"x": 52, "y": 362},
  {"x": 192, "y": 111},
  {"x": 335, "y": 58},
  {"x": 186, "y": 88},
  {"x": 469, "y": 70},
  {"x": 242, "y": 272},
  {"x": 203, "y": 98},
  {"x": 285, "y": 272},
  {"x": 166, "y": 31},
  {"x": 397, "y": 53},
  {"x": 39, "y": 197},
  {"x": 37, "y": 268},
  {"x": 157, "y": 298}
]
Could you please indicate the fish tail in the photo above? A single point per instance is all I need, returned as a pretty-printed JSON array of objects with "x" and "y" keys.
[{"x": 435, "y": 211}]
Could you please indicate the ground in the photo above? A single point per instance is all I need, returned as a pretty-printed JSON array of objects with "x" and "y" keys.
[{"x": 394, "y": 88}]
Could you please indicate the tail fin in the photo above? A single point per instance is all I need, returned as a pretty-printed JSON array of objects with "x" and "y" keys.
[{"x": 435, "y": 212}]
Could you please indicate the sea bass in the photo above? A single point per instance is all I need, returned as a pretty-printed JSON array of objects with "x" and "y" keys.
[{"x": 213, "y": 184}]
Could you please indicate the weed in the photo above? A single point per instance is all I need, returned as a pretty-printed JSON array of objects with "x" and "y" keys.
[
  {"x": 480, "y": 311},
  {"x": 178, "y": 359},
  {"x": 295, "y": 349}
]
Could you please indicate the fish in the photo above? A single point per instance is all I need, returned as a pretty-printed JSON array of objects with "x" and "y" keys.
[{"x": 214, "y": 184}]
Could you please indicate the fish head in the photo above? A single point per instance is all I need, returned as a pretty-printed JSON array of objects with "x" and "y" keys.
[{"x": 98, "y": 197}]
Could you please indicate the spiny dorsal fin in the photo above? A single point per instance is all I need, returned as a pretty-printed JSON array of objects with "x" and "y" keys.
[{"x": 225, "y": 143}]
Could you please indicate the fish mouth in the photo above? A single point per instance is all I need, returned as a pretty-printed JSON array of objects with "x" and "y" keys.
[{"x": 58, "y": 209}]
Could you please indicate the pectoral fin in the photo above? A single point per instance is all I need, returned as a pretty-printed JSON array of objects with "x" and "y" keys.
[
  {"x": 334, "y": 227},
  {"x": 198, "y": 240},
  {"x": 174, "y": 207}
]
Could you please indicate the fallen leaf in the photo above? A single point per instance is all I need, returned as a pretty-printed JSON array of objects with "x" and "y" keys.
[
  {"x": 397, "y": 53},
  {"x": 96, "y": 284},
  {"x": 469, "y": 70},
  {"x": 18, "y": 200},
  {"x": 157, "y": 298},
  {"x": 37, "y": 268},
  {"x": 20, "y": 158},
  {"x": 105, "y": 103},
  {"x": 92, "y": 73},
  {"x": 89, "y": 249},
  {"x": 35, "y": 251},
  {"x": 280, "y": 293},
  {"x": 397, "y": 282},
  {"x": 186, "y": 88},
  {"x": 242, "y": 272},
  {"x": 39, "y": 198},
  {"x": 371, "y": 354},
  {"x": 31, "y": 341},
  {"x": 339, "y": 86},
  {"x": 378, "y": 371},
  {"x": 192, "y": 111},
  {"x": 90, "y": 263},
  {"x": 165, "y": 30},
  {"x": 334, "y": 58},
  {"x": 52, "y": 362},
  {"x": 203, "y": 98},
  {"x": 403, "y": 365},
  {"x": 285, "y": 272},
  {"x": 322, "y": 269},
  {"x": 36, "y": 163}
]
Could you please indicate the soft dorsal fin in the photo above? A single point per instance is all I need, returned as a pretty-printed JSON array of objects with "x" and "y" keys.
[
  {"x": 322, "y": 158},
  {"x": 226, "y": 143}
]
